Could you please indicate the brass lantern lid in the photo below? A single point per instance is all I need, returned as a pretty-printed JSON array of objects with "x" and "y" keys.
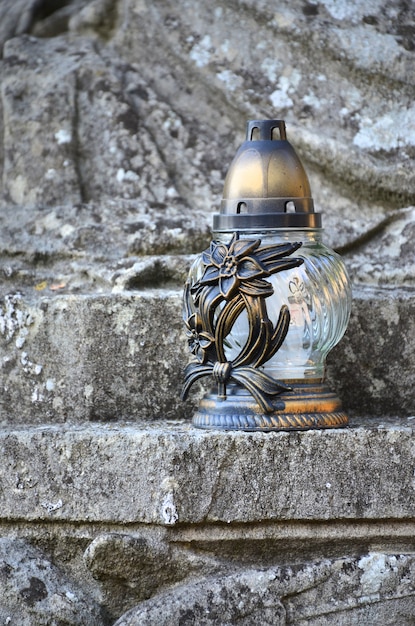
[{"x": 266, "y": 186}]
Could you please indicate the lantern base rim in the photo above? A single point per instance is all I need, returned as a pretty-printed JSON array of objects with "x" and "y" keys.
[{"x": 305, "y": 407}]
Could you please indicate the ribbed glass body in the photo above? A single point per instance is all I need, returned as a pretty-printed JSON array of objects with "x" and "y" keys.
[{"x": 318, "y": 295}]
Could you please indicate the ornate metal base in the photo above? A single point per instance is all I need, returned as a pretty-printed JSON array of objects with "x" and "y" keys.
[{"x": 306, "y": 406}]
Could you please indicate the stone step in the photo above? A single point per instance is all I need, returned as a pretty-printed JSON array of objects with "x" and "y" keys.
[
  {"x": 101, "y": 473},
  {"x": 120, "y": 356},
  {"x": 116, "y": 520}
]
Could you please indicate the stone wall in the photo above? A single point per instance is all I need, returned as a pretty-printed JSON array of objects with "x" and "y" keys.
[{"x": 118, "y": 121}]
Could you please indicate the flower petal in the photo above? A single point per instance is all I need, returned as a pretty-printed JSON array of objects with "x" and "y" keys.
[
  {"x": 219, "y": 252},
  {"x": 251, "y": 267},
  {"x": 204, "y": 344},
  {"x": 270, "y": 253},
  {"x": 243, "y": 247},
  {"x": 210, "y": 276},
  {"x": 193, "y": 347},
  {"x": 206, "y": 257},
  {"x": 227, "y": 286},
  {"x": 191, "y": 322},
  {"x": 280, "y": 265},
  {"x": 193, "y": 372}
]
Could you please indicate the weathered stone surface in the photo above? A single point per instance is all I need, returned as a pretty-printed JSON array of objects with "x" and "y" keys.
[
  {"x": 131, "y": 567},
  {"x": 175, "y": 474},
  {"x": 105, "y": 158},
  {"x": 387, "y": 258},
  {"x": 44, "y": 19},
  {"x": 93, "y": 358},
  {"x": 372, "y": 589},
  {"x": 118, "y": 120},
  {"x": 372, "y": 368},
  {"x": 375, "y": 588},
  {"x": 34, "y": 591},
  {"x": 326, "y": 586},
  {"x": 109, "y": 170},
  {"x": 16, "y": 18},
  {"x": 125, "y": 166},
  {"x": 245, "y": 598},
  {"x": 189, "y": 554},
  {"x": 137, "y": 125},
  {"x": 121, "y": 356},
  {"x": 153, "y": 507}
]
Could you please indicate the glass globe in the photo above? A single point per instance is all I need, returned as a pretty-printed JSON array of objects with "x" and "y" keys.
[{"x": 318, "y": 296}]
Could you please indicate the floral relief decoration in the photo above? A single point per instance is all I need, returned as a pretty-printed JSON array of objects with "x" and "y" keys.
[{"x": 234, "y": 279}]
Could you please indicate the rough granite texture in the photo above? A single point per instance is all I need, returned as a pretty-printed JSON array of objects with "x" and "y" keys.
[{"x": 118, "y": 120}]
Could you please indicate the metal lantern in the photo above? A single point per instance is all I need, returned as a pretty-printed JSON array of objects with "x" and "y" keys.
[{"x": 268, "y": 300}]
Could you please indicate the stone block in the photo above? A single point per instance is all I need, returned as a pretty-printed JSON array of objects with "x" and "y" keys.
[
  {"x": 173, "y": 474},
  {"x": 94, "y": 358},
  {"x": 307, "y": 527},
  {"x": 372, "y": 367},
  {"x": 121, "y": 356}
]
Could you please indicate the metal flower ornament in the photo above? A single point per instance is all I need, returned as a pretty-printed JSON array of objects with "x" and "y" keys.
[{"x": 234, "y": 280}]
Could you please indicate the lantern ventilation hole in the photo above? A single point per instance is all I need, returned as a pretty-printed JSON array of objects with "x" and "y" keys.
[
  {"x": 290, "y": 207},
  {"x": 255, "y": 134}
]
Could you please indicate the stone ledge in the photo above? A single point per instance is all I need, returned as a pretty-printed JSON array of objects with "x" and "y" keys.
[
  {"x": 107, "y": 357},
  {"x": 170, "y": 474}
]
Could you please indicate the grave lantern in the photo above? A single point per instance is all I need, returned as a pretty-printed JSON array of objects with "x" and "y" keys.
[{"x": 268, "y": 300}]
